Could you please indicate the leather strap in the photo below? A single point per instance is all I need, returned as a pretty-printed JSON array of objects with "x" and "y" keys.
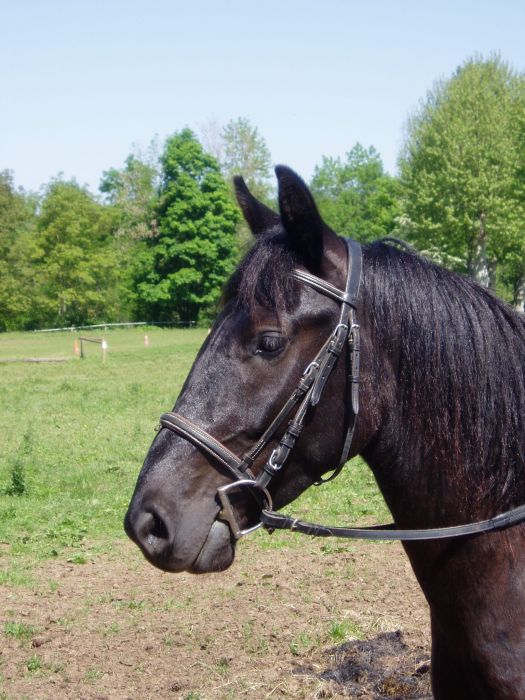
[
  {"x": 277, "y": 521},
  {"x": 200, "y": 438}
]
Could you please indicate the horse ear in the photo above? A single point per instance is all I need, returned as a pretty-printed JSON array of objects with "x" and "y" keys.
[
  {"x": 300, "y": 218},
  {"x": 258, "y": 216}
]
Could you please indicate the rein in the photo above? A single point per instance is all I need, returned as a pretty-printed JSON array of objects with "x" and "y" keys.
[{"x": 308, "y": 393}]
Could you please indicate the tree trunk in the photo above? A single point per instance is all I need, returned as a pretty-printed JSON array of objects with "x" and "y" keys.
[
  {"x": 479, "y": 264},
  {"x": 519, "y": 295},
  {"x": 492, "y": 273}
]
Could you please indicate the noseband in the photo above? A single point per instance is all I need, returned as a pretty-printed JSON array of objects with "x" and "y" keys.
[{"x": 307, "y": 394}]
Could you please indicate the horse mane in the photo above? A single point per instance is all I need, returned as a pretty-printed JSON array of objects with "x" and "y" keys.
[{"x": 459, "y": 355}]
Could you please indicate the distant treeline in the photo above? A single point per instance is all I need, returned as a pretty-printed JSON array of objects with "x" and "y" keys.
[{"x": 164, "y": 232}]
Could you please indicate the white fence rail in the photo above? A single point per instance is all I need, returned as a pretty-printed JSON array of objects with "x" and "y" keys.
[{"x": 179, "y": 324}]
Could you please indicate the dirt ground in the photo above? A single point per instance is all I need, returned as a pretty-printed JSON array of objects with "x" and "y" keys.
[{"x": 311, "y": 621}]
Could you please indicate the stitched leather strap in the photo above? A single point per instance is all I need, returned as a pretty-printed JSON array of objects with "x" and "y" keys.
[
  {"x": 200, "y": 438},
  {"x": 277, "y": 521}
]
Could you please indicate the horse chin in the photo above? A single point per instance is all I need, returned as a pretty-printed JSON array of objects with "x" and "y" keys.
[{"x": 217, "y": 552}]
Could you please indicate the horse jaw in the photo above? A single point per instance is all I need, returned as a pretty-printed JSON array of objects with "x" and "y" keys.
[{"x": 217, "y": 552}]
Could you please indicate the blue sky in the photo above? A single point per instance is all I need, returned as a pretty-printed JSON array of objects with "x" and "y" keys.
[{"x": 82, "y": 82}]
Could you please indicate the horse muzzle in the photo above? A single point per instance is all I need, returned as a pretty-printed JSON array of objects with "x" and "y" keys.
[{"x": 176, "y": 545}]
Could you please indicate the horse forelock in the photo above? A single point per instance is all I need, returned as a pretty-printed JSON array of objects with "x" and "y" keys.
[{"x": 264, "y": 277}]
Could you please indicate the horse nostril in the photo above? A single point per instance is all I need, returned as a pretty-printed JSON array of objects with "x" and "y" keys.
[
  {"x": 150, "y": 532},
  {"x": 158, "y": 529}
]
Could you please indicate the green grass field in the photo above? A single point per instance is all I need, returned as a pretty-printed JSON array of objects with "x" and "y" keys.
[{"x": 74, "y": 435}]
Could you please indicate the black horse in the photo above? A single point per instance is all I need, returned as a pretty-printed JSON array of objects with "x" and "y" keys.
[{"x": 442, "y": 397}]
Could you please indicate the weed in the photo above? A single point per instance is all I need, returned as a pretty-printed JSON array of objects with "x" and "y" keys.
[
  {"x": 247, "y": 631},
  {"x": 18, "y": 479},
  {"x": 111, "y": 629},
  {"x": 18, "y": 485},
  {"x": 7, "y": 513},
  {"x": 329, "y": 548},
  {"x": 135, "y": 389},
  {"x": 252, "y": 643},
  {"x": 303, "y": 644},
  {"x": 93, "y": 674},
  {"x": 65, "y": 623},
  {"x": 16, "y": 577},
  {"x": 34, "y": 664},
  {"x": 346, "y": 629},
  {"x": 349, "y": 571},
  {"x": 19, "y": 630},
  {"x": 223, "y": 666},
  {"x": 78, "y": 559}
]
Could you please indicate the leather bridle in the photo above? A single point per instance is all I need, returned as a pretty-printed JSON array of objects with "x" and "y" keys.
[{"x": 307, "y": 394}]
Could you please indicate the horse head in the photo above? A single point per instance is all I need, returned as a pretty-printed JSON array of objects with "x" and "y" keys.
[{"x": 257, "y": 353}]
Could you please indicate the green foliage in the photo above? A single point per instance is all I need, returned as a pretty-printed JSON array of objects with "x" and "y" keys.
[
  {"x": 462, "y": 172},
  {"x": 17, "y": 223},
  {"x": 341, "y": 630},
  {"x": 34, "y": 664},
  {"x": 244, "y": 152},
  {"x": 355, "y": 196},
  {"x": 133, "y": 193},
  {"x": 181, "y": 271},
  {"x": 75, "y": 269},
  {"x": 18, "y": 485},
  {"x": 19, "y": 630}
]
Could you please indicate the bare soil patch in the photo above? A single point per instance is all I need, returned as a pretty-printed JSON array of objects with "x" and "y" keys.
[{"x": 308, "y": 621}]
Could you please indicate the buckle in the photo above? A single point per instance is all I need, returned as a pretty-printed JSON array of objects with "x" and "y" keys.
[{"x": 227, "y": 512}]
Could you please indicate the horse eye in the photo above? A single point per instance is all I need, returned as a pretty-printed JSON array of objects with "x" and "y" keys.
[{"x": 270, "y": 344}]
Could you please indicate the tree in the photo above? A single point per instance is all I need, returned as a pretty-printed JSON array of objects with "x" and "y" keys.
[
  {"x": 132, "y": 195},
  {"x": 355, "y": 196},
  {"x": 240, "y": 150},
  {"x": 245, "y": 153},
  {"x": 460, "y": 173},
  {"x": 75, "y": 268},
  {"x": 181, "y": 270},
  {"x": 17, "y": 223},
  {"x": 133, "y": 192}
]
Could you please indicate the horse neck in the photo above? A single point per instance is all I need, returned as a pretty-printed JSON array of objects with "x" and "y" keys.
[{"x": 446, "y": 394}]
